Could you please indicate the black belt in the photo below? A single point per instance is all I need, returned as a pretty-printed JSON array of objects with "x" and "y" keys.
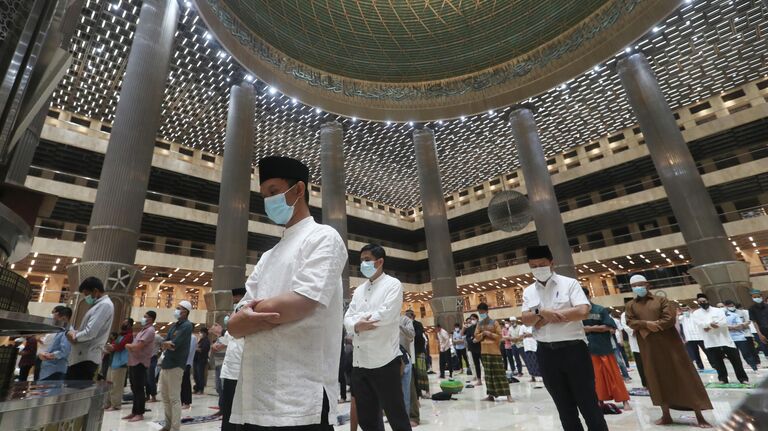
[{"x": 559, "y": 344}]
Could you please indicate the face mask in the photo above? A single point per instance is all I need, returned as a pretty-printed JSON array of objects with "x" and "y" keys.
[
  {"x": 473, "y": 321},
  {"x": 226, "y": 321},
  {"x": 89, "y": 300},
  {"x": 144, "y": 321},
  {"x": 277, "y": 209},
  {"x": 483, "y": 316},
  {"x": 704, "y": 306},
  {"x": 731, "y": 309},
  {"x": 506, "y": 325},
  {"x": 177, "y": 314},
  {"x": 640, "y": 291},
  {"x": 456, "y": 330},
  {"x": 758, "y": 300},
  {"x": 687, "y": 313},
  {"x": 542, "y": 274},
  {"x": 368, "y": 269}
]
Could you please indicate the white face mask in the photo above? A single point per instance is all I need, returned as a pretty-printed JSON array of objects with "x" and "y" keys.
[{"x": 542, "y": 274}]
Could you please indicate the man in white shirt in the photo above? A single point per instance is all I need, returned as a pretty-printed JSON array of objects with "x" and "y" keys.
[
  {"x": 693, "y": 338},
  {"x": 717, "y": 339},
  {"x": 444, "y": 345},
  {"x": 373, "y": 317},
  {"x": 292, "y": 306},
  {"x": 554, "y": 306},
  {"x": 86, "y": 354},
  {"x": 634, "y": 346},
  {"x": 230, "y": 367}
]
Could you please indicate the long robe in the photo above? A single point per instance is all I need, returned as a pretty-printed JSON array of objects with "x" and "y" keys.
[{"x": 671, "y": 378}]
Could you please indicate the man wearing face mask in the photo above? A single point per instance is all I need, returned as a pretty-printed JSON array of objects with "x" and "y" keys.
[
  {"x": 555, "y": 306},
  {"x": 758, "y": 313},
  {"x": 373, "y": 317},
  {"x": 87, "y": 343},
  {"x": 230, "y": 367},
  {"x": 693, "y": 338},
  {"x": 292, "y": 306},
  {"x": 118, "y": 367},
  {"x": 736, "y": 327},
  {"x": 473, "y": 346},
  {"x": 672, "y": 381},
  {"x": 139, "y": 358},
  {"x": 176, "y": 346},
  {"x": 717, "y": 340},
  {"x": 54, "y": 361},
  {"x": 488, "y": 333}
]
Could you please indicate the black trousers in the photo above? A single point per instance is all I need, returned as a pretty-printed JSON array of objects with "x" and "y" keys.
[
  {"x": 199, "y": 374},
  {"x": 24, "y": 372},
  {"x": 322, "y": 426},
  {"x": 747, "y": 349},
  {"x": 186, "y": 387},
  {"x": 137, "y": 375},
  {"x": 640, "y": 369},
  {"x": 151, "y": 378},
  {"x": 476, "y": 361},
  {"x": 570, "y": 379},
  {"x": 380, "y": 389},
  {"x": 516, "y": 353},
  {"x": 462, "y": 358},
  {"x": 693, "y": 352},
  {"x": 38, "y": 366},
  {"x": 717, "y": 356},
  {"x": 445, "y": 363},
  {"x": 227, "y": 396},
  {"x": 85, "y": 370},
  {"x": 504, "y": 357}
]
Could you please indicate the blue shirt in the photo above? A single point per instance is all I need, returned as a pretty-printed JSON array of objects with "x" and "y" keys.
[
  {"x": 733, "y": 319},
  {"x": 60, "y": 348}
]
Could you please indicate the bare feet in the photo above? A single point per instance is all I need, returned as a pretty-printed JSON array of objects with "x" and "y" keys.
[
  {"x": 136, "y": 418},
  {"x": 702, "y": 423},
  {"x": 509, "y": 399},
  {"x": 627, "y": 406},
  {"x": 130, "y": 416},
  {"x": 111, "y": 409},
  {"x": 414, "y": 424},
  {"x": 665, "y": 420},
  {"x": 489, "y": 398}
]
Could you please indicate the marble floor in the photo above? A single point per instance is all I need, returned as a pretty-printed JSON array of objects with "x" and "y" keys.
[{"x": 532, "y": 410}]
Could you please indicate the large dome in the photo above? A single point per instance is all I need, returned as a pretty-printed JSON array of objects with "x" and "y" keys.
[{"x": 420, "y": 59}]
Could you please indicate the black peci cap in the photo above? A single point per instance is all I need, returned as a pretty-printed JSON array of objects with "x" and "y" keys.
[{"x": 282, "y": 167}]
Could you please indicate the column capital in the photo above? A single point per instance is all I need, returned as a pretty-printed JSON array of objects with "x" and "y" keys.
[
  {"x": 330, "y": 124},
  {"x": 423, "y": 133},
  {"x": 522, "y": 109},
  {"x": 633, "y": 59}
]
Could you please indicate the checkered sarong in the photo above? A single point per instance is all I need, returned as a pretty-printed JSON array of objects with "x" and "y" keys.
[
  {"x": 496, "y": 383},
  {"x": 422, "y": 379}
]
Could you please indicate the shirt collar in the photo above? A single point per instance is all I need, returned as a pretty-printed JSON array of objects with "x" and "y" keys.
[
  {"x": 552, "y": 279},
  {"x": 298, "y": 227}
]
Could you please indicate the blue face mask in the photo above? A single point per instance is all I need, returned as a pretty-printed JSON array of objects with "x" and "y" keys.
[
  {"x": 90, "y": 300},
  {"x": 757, "y": 300},
  {"x": 483, "y": 316},
  {"x": 226, "y": 321},
  {"x": 368, "y": 268},
  {"x": 277, "y": 209},
  {"x": 640, "y": 291}
]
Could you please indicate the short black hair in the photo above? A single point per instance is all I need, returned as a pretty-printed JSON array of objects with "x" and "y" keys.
[
  {"x": 457, "y": 325},
  {"x": 130, "y": 321},
  {"x": 729, "y": 302},
  {"x": 63, "y": 311},
  {"x": 90, "y": 284},
  {"x": 376, "y": 250},
  {"x": 203, "y": 330},
  {"x": 238, "y": 291},
  {"x": 627, "y": 299},
  {"x": 151, "y": 314},
  {"x": 701, "y": 295},
  {"x": 482, "y": 306},
  {"x": 474, "y": 315},
  {"x": 292, "y": 182}
]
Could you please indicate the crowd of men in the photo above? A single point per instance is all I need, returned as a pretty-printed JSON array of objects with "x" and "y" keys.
[{"x": 278, "y": 351}]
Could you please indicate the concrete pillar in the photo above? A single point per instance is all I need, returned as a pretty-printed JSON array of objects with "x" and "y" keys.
[
  {"x": 234, "y": 204},
  {"x": 541, "y": 193},
  {"x": 717, "y": 271},
  {"x": 113, "y": 233},
  {"x": 334, "y": 189},
  {"x": 25, "y": 149},
  {"x": 446, "y": 303}
]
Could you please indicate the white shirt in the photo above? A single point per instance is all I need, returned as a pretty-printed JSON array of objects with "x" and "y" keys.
[
  {"x": 44, "y": 343},
  {"x": 381, "y": 299},
  {"x": 690, "y": 328},
  {"x": 529, "y": 343},
  {"x": 230, "y": 368},
  {"x": 633, "y": 345},
  {"x": 715, "y": 337},
  {"x": 444, "y": 340},
  {"x": 744, "y": 315},
  {"x": 560, "y": 292},
  {"x": 617, "y": 334},
  {"x": 192, "y": 348},
  {"x": 516, "y": 332},
  {"x": 286, "y": 369}
]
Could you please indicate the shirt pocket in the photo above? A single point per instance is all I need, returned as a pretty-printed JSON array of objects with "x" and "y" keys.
[{"x": 561, "y": 300}]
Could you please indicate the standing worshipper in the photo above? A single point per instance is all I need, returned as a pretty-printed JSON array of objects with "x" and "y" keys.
[
  {"x": 488, "y": 333},
  {"x": 672, "y": 381},
  {"x": 152, "y": 371},
  {"x": 139, "y": 358},
  {"x": 749, "y": 331},
  {"x": 634, "y": 346},
  {"x": 506, "y": 347},
  {"x": 414, "y": 410},
  {"x": 54, "y": 360},
  {"x": 529, "y": 356},
  {"x": 444, "y": 344},
  {"x": 292, "y": 306},
  {"x": 118, "y": 368},
  {"x": 186, "y": 380},
  {"x": 693, "y": 338},
  {"x": 758, "y": 313},
  {"x": 200, "y": 361},
  {"x": 516, "y": 338},
  {"x": 28, "y": 355},
  {"x": 230, "y": 367},
  {"x": 176, "y": 347},
  {"x": 87, "y": 343},
  {"x": 555, "y": 305},
  {"x": 608, "y": 381},
  {"x": 460, "y": 345},
  {"x": 420, "y": 348},
  {"x": 618, "y": 349},
  {"x": 407, "y": 334},
  {"x": 717, "y": 340},
  {"x": 474, "y": 347},
  {"x": 373, "y": 317},
  {"x": 736, "y": 327}
]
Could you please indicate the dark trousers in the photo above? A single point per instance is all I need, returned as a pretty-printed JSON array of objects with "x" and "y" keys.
[
  {"x": 570, "y": 380},
  {"x": 624, "y": 355},
  {"x": 762, "y": 346},
  {"x": 227, "y": 396},
  {"x": 504, "y": 356},
  {"x": 38, "y": 366},
  {"x": 717, "y": 356},
  {"x": 693, "y": 352},
  {"x": 24, "y": 372},
  {"x": 380, "y": 389},
  {"x": 151, "y": 379},
  {"x": 747, "y": 349},
  {"x": 640, "y": 369},
  {"x": 137, "y": 375},
  {"x": 445, "y": 363},
  {"x": 186, "y": 387},
  {"x": 516, "y": 351},
  {"x": 463, "y": 360},
  {"x": 85, "y": 370},
  {"x": 199, "y": 374},
  {"x": 322, "y": 426},
  {"x": 342, "y": 384},
  {"x": 476, "y": 361}
]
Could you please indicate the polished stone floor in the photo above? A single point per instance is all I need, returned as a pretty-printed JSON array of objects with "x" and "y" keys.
[{"x": 532, "y": 410}]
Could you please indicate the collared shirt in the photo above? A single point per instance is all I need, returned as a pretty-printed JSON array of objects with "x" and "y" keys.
[
  {"x": 381, "y": 299},
  {"x": 504, "y": 334},
  {"x": 407, "y": 335},
  {"x": 192, "y": 349},
  {"x": 458, "y": 340},
  {"x": 180, "y": 333},
  {"x": 633, "y": 344},
  {"x": 733, "y": 319},
  {"x": 143, "y": 355},
  {"x": 758, "y": 313},
  {"x": 691, "y": 330},
  {"x": 287, "y": 368},
  {"x": 60, "y": 348},
  {"x": 444, "y": 340},
  {"x": 157, "y": 344},
  {"x": 744, "y": 315},
  {"x": 529, "y": 343},
  {"x": 93, "y": 333},
  {"x": 516, "y": 332},
  {"x": 559, "y": 293},
  {"x": 715, "y": 337},
  {"x": 600, "y": 343},
  {"x": 230, "y": 369}
]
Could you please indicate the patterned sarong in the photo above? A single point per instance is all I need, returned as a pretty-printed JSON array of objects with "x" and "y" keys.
[
  {"x": 422, "y": 379},
  {"x": 496, "y": 383}
]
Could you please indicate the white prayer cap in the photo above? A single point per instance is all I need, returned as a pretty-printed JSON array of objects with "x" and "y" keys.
[
  {"x": 637, "y": 278},
  {"x": 186, "y": 305}
]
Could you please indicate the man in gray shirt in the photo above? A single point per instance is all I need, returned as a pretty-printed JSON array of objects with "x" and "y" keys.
[
  {"x": 87, "y": 343},
  {"x": 176, "y": 346}
]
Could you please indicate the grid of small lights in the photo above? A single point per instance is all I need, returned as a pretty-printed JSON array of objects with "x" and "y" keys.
[{"x": 706, "y": 47}]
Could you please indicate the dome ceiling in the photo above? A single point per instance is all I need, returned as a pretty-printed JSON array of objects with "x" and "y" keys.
[{"x": 402, "y": 60}]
